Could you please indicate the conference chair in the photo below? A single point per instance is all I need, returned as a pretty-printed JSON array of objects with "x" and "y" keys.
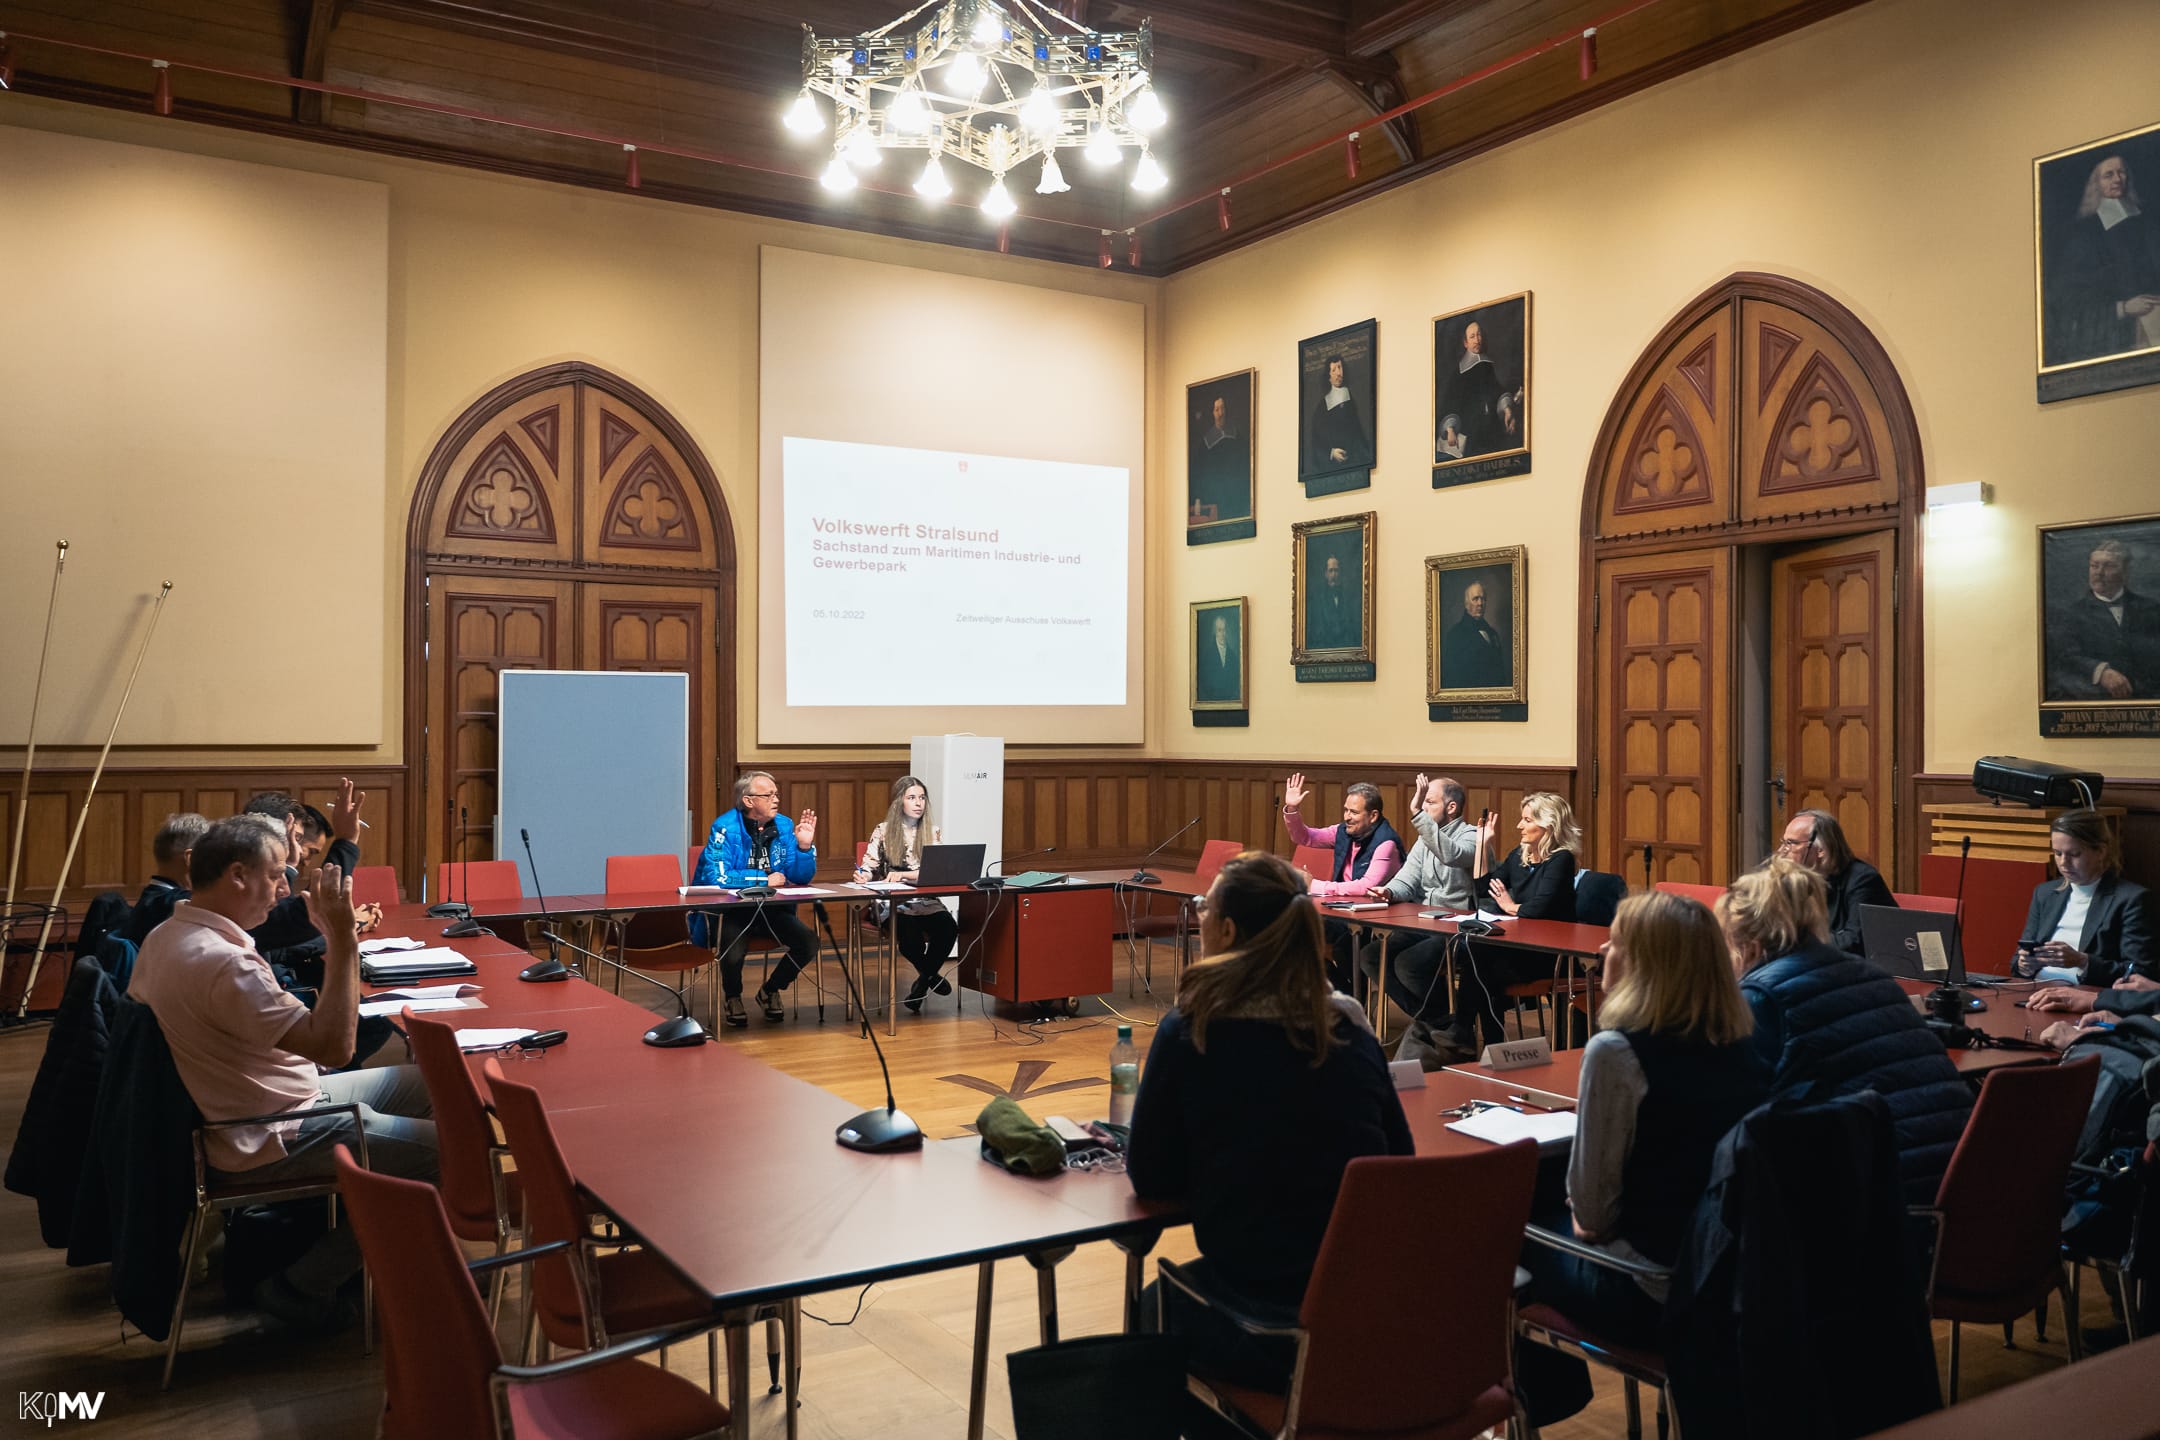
[
  {"x": 376, "y": 885},
  {"x": 443, "y": 1371},
  {"x": 2126, "y": 1264},
  {"x": 1178, "y": 925},
  {"x": 1597, "y": 899},
  {"x": 490, "y": 880},
  {"x": 867, "y": 924},
  {"x": 1541, "y": 1324},
  {"x": 1708, "y": 895},
  {"x": 481, "y": 1199},
  {"x": 657, "y": 941},
  {"x": 1933, "y": 904},
  {"x": 595, "y": 1290},
  {"x": 1998, "y": 1213},
  {"x": 1405, "y": 1331},
  {"x": 1317, "y": 861},
  {"x": 237, "y": 1192}
]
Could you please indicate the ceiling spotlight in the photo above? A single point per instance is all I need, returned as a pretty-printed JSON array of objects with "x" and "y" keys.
[
  {"x": 1053, "y": 179},
  {"x": 1146, "y": 111},
  {"x": 802, "y": 117},
  {"x": 1148, "y": 176},
  {"x": 910, "y": 113},
  {"x": 932, "y": 185},
  {"x": 1102, "y": 147},
  {"x": 861, "y": 147},
  {"x": 839, "y": 176},
  {"x": 965, "y": 75},
  {"x": 999, "y": 202},
  {"x": 1039, "y": 112}
]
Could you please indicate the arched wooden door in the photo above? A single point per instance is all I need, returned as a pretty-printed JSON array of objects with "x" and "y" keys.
[
  {"x": 565, "y": 522},
  {"x": 1763, "y": 434}
]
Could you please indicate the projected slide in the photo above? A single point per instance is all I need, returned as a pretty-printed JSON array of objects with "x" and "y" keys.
[{"x": 926, "y": 576}]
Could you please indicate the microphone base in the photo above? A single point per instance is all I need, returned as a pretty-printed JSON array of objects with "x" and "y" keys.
[
  {"x": 1948, "y": 1002},
  {"x": 1143, "y": 877},
  {"x": 676, "y": 1033},
  {"x": 987, "y": 882},
  {"x": 449, "y": 910},
  {"x": 879, "y": 1131},
  {"x": 465, "y": 929},
  {"x": 756, "y": 892},
  {"x": 544, "y": 970}
]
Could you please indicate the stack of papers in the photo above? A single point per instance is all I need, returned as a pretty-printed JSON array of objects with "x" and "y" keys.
[
  {"x": 423, "y": 998},
  {"x": 1501, "y": 1126},
  {"x": 703, "y": 890},
  {"x": 490, "y": 1039},
  {"x": 389, "y": 944},
  {"x": 427, "y": 963},
  {"x": 886, "y": 885}
]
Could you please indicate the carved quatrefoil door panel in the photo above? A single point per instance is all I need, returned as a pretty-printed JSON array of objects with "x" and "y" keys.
[
  {"x": 1815, "y": 435},
  {"x": 567, "y": 522},
  {"x": 1672, "y": 465}
]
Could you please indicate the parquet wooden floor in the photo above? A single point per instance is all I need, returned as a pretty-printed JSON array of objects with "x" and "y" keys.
[{"x": 898, "y": 1372}]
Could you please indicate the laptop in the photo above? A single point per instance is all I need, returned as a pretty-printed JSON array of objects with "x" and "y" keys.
[
  {"x": 950, "y": 865},
  {"x": 1894, "y": 939}
]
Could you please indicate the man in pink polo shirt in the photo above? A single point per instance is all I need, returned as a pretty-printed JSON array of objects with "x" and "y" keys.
[
  {"x": 1368, "y": 852},
  {"x": 245, "y": 1046}
]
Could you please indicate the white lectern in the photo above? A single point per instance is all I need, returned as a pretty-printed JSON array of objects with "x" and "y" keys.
[{"x": 966, "y": 778}]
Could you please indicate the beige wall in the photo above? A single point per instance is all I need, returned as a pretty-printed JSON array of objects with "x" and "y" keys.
[
  {"x": 1883, "y": 156},
  {"x": 491, "y": 277}
]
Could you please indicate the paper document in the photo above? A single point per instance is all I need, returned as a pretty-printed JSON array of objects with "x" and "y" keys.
[
  {"x": 703, "y": 890},
  {"x": 409, "y": 961},
  {"x": 796, "y": 891},
  {"x": 1505, "y": 1127},
  {"x": 426, "y": 992},
  {"x": 389, "y": 943},
  {"x": 439, "y": 1002},
  {"x": 490, "y": 1039},
  {"x": 877, "y": 885},
  {"x": 1933, "y": 959},
  {"x": 1355, "y": 904}
]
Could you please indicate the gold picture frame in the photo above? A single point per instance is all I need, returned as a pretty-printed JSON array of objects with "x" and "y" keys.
[
  {"x": 2086, "y": 652},
  {"x": 1221, "y": 458},
  {"x": 2086, "y": 340},
  {"x": 1477, "y": 628},
  {"x": 1331, "y": 578},
  {"x": 1484, "y": 390},
  {"x": 1219, "y": 677}
]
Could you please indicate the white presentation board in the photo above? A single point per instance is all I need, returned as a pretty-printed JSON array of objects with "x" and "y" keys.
[
  {"x": 965, "y": 775},
  {"x": 592, "y": 763}
]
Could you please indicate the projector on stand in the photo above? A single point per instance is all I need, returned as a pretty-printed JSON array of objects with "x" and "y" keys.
[{"x": 2034, "y": 782}]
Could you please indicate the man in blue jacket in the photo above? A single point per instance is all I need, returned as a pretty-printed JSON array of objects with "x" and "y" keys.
[{"x": 754, "y": 844}]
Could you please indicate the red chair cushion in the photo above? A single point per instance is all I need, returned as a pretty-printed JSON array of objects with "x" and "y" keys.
[{"x": 624, "y": 1401}]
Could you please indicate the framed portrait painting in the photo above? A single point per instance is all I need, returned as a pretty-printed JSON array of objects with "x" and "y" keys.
[
  {"x": 1336, "y": 423},
  {"x": 1331, "y": 598},
  {"x": 2100, "y": 628},
  {"x": 1219, "y": 459},
  {"x": 2096, "y": 265},
  {"x": 1481, "y": 392},
  {"x": 1221, "y": 680},
  {"x": 1477, "y": 627}
]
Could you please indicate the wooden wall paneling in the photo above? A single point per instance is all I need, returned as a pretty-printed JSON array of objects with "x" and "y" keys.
[
  {"x": 506, "y": 492},
  {"x": 1814, "y": 434},
  {"x": 1669, "y": 461},
  {"x": 2139, "y": 795},
  {"x": 661, "y": 628}
]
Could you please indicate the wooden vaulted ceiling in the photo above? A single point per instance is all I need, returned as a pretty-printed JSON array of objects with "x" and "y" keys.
[{"x": 1250, "y": 84}]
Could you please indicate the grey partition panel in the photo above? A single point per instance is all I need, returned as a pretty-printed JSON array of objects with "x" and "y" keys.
[{"x": 593, "y": 763}]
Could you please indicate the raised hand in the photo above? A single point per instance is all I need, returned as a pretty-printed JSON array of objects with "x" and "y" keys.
[
  {"x": 345, "y": 811},
  {"x": 806, "y": 829},
  {"x": 329, "y": 902},
  {"x": 1294, "y": 791},
  {"x": 1417, "y": 796}
]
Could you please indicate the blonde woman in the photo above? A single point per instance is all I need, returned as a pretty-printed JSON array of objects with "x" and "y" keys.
[
  {"x": 923, "y": 929},
  {"x": 1667, "y": 1076},
  {"x": 1837, "y": 1024},
  {"x": 1260, "y": 1088},
  {"x": 1536, "y": 881}
]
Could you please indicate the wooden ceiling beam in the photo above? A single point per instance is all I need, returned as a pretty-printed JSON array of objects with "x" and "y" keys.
[
  {"x": 322, "y": 16},
  {"x": 1381, "y": 94},
  {"x": 1377, "y": 26},
  {"x": 756, "y": 54},
  {"x": 1268, "y": 31}
]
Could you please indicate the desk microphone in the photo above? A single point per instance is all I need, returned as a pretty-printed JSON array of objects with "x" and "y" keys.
[
  {"x": 452, "y": 908},
  {"x": 995, "y": 882},
  {"x": 1145, "y": 876},
  {"x": 466, "y": 927},
  {"x": 1948, "y": 1001},
  {"x": 1646, "y": 881},
  {"x": 876, "y": 1130},
  {"x": 673, "y": 1034},
  {"x": 551, "y": 968}
]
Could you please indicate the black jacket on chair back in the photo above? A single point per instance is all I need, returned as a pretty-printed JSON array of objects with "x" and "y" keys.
[{"x": 1838, "y": 1026}]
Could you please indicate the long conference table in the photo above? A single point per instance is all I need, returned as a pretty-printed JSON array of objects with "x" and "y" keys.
[{"x": 751, "y": 1202}]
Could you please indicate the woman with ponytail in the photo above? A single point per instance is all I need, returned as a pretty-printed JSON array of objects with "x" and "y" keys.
[{"x": 1260, "y": 1088}]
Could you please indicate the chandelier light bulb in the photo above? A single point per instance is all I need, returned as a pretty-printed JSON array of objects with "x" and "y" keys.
[
  {"x": 999, "y": 202},
  {"x": 1039, "y": 112},
  {"x": 932, "y": 185},
  {"x": 802, "y": 117},
  {"x": 989, "y": 30},
  {"x": 1053, "y": 179},
  {"x": 1146, "y": 111},
  {"x": 1101, "y": 148},
  {"x": 839, "y": 176},
  {"x": 1148, "y": 176},
  {"x": 910, "y": 113},
  {"x": 860, "y": 147},
  {"x": 965, "y": 75}
]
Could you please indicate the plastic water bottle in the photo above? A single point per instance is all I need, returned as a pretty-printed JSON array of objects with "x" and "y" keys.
[{"x": 1124, "y": 1077}]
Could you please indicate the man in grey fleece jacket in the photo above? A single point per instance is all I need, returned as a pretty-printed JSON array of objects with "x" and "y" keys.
[{"x": 1437, "y": 875}]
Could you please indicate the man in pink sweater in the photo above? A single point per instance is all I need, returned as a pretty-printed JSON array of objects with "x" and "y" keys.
[{"x": 1368, "y": 852}]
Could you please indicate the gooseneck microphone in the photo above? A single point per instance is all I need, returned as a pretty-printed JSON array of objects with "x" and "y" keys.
[
  {"x": 672, "y": 1034},
  {"x": 1948, "y": 998},
  {"x": 1145, "y": 876},
  {"x": 1646, "y": 883},
  {"x": 988, "y": 881},
  {"x": 876, "y": 1130},
  {"x": 551, "y": 968},
  {"x": 467, "y": 926},
  {"x": 448, "y": 908}
]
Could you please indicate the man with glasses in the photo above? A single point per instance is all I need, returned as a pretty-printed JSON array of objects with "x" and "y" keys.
[
  {"x": 754, "y": 844},
  {"x": 1815, "y": 839}
]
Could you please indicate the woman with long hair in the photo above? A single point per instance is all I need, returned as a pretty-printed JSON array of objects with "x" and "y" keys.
[
  {"x": 1536, "y": 881},
  {"x": 1668, "y": 1074},
  {"x": 1836, "y": 1023},
  {"x": 923, "y": 929},
  {"x": 1260, "y": 1088},
  {"x": 2090, "y": 919}
]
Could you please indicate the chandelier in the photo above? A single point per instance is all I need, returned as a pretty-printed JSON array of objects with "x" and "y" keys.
[{"x": 987, "y": 84}]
